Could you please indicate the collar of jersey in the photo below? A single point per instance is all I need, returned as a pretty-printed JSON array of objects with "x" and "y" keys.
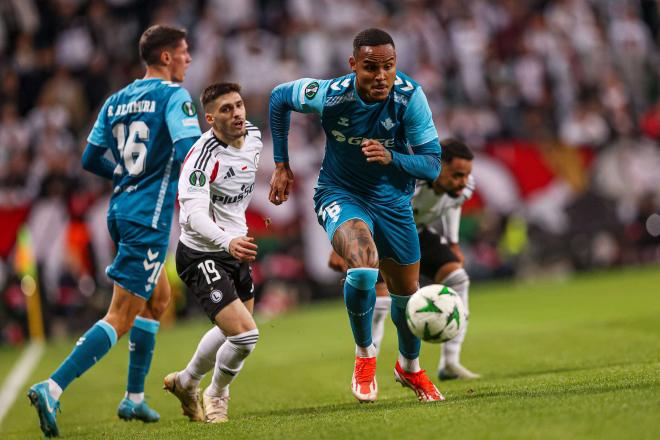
[
  {"x": 152, "y": 79},
  {"x": 220, "y": 141}
]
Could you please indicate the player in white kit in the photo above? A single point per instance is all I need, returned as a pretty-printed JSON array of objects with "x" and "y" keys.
[
  {"x": 214, "y": 251},
  {"x": 437, "y": 210}
]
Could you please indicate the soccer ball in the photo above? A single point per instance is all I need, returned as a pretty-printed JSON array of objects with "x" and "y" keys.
[{"x": 435, "y": 313}]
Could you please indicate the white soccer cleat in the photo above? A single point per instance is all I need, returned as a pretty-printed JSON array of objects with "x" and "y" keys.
[
  {"x": 215, "y": 408},
  {"x": 364, "y": 385},
  {"x": 456, "y": 371},
  {"x": 190, "y": 404}
]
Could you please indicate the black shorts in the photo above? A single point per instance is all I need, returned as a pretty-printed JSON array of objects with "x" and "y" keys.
[
  {"x": 214, "y": 278},
  {"x": 434, "y": 255}
]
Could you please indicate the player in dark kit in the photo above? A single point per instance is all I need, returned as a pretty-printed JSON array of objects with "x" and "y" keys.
[
  {"x": 380, "y": 139},
  {"x": 149, "y": 126}
]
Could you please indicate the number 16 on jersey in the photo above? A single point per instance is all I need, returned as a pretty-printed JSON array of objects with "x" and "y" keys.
[{"x": 131, "y": 145}]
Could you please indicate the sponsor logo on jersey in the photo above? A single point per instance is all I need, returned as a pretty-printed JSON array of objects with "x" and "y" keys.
[
  {"x": 225, "y": 199},
  {"x": 357, "y": 140},
  {"x": 311, "y": 90},
  {"x": 189, "y": 108},
  {"x": 197, "y": 178},
  {"x": 216, "y": 296},
  {"x": 344, "y": 122}
]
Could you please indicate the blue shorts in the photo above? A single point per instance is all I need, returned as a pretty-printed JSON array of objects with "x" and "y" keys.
[
  {"x": 141, "y": 252},
  {"x": 392, "y": 227}
]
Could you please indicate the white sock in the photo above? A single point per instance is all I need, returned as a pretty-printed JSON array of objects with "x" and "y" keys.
[
  {"x": 229, "y": 361},
  {"x": 451, "y": 350},
  {"x": 135, "y": 397},
  {"x": 203, "y": 360},
  {"x": 409, "y": 365},
  {"x": 54, "y": 389},
  {"x": 366, "y": 352},
  {"x": 381, "y": 309}
]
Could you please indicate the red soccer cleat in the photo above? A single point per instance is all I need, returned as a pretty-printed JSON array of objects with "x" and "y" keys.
[
  {"x": 364, "y": 385},
  {"x": 418, "y": 382}
]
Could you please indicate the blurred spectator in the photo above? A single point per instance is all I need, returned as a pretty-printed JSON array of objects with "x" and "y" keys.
[
  {"x": 560, "y": 99},
  {"x": 586, "y": 126}
]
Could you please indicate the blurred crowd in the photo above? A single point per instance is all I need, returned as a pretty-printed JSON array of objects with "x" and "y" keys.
[{"x": 559, "y": 99}]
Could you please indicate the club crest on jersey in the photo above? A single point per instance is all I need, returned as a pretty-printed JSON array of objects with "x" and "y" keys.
[
  {"x": 216, "y": 296},
  {"x": 388, "y": 124},
  {"x": 189, "y": 108},
  {"x": 311, "y": 90},
  {"x": 197, "y": 178}
]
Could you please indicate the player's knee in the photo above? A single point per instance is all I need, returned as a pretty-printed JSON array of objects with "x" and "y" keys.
[
  {"x": 245, "y": 342},
  {"x": 122, "y": 323},
  {"x": 362, "y": 255},
  {"x": 363, "y": 278},
  {"x": 158, "y": 307},
  {"x": 354, "y": 242},
  {"x": 445, "y": 270},
  {"x": 456, "y": 277}
]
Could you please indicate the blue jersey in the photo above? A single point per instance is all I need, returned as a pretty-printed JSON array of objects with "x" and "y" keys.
[
  {"x": 402, "y": 123},
  {"x": 140, "y": 124}
]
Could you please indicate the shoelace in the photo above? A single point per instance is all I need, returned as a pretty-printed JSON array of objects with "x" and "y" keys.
[{"x": 365, "y": 371}]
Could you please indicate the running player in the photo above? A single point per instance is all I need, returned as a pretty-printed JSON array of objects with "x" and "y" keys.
[
  {"x": 148, "y": 126},
  {"x": 380, "y": 138},
  {"x": 437, "y": 209},
  {"x": 214, "y": 252}
]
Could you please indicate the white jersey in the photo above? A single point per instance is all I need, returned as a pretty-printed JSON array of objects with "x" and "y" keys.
[
  {"x": 440, "y": 212},
  {"x": 222, "y": 175}
]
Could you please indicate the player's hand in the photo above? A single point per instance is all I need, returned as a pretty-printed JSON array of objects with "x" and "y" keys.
[
  {"x": 456, "y": 249},
  {"x": 337, "y": 263},
  {"x": 281, "y": 183},
  {"x": 243, "y": 249},
  {"x": 374, "y": 151}
]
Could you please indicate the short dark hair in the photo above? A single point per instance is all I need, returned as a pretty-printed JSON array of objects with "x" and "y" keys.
[
  {"x": 158, "y": 38},
  {"x": 452, "y": 148},
  {"x": 371, "y": 37},
  {"x": 216, "y": 90}
]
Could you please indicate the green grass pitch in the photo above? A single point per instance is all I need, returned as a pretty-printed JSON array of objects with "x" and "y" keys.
[{"x": 578, "y": 359}]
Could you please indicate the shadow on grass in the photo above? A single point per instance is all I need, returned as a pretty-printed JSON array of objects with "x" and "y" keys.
[
  {"x": 381, "y": 405},
  {"x": 575, "y": 389}
]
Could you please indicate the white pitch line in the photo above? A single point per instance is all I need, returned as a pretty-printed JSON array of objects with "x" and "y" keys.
[{"x": 19, "y": 374}]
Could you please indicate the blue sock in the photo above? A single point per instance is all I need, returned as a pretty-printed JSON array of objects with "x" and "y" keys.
[
  {"x": 142, "y": 341},
  {"x": 360, "y": 298},
  {"x": 409, "y": 344},
  {"x": 89, "y": 349}
]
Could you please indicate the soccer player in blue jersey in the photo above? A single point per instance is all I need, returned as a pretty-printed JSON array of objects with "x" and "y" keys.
[
  {"x": 148, "y": 127},
  {"x": 380, "y": 138}
]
